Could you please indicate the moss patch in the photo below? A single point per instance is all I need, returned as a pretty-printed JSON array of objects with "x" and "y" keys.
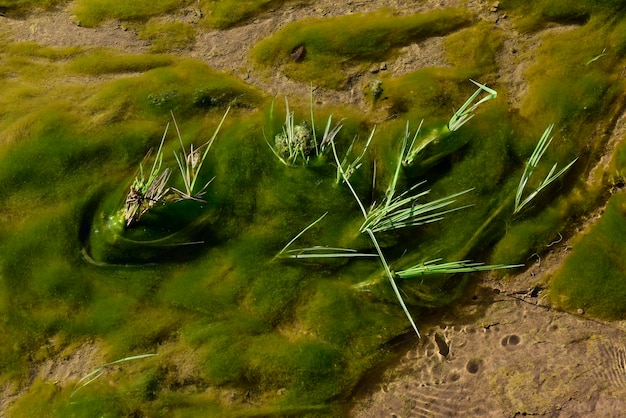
[
  {"x": 541, "y": 13},
  {"x": 237, "y": 331},
  {"x": 93, "y": 12},
  {"x": 165, "y": 37},
  {"x": 333, "y": 45},
  {"x": 592, "y": 277},
  {"x": 222, "y": 14}
]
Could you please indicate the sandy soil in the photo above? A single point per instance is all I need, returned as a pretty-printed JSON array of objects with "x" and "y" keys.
[{"x": 504, "y": 351}]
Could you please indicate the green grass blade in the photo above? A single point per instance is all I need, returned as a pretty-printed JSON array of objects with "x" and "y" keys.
[
  {"x": 208, "y": 147},
  {"x": 326, "y": 252},
  {"x": 390, "y": 276},
  {"x": 464, "y": 114},
  {"x": 406, "y": 212},
  {"x": 345, "y": 179},
  {"x": 540, "y": 149},
  {"x": 454, "y": 267},
  {"x": 282, "y": 160},
  {"x": 311, "y": 225},
  {"x": 394, "y": 180}
]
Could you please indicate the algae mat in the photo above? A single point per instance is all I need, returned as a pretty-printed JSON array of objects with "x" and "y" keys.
[{"x": 249, "y": 208}]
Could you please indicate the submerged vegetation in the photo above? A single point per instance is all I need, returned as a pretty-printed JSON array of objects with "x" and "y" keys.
[
  {"x": 149, "y": 190},
  {"x": 268, "y": 279},
  {"x": 531, "y": 166}
]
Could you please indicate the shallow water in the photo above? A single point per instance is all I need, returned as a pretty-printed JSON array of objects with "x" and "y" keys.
[{"x": 236, "y": 329}]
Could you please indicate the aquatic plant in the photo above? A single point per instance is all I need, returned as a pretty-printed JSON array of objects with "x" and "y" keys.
[
  {"x": 394, "y": 213},
  {"x": 531, "y": 166},
  {"x": 190, "y": 163},
  {"x": 318, "y": 251},
  {"x": 460, "y": 117},
  {"x": 348, "y": 168},
  {"x": 299, "y": 141},
  {"x": 295, "y": 141},
  {"x": 453, "y": 267},
  {"x": 145, "y": 192},
  {"x": 403, "y": 212}
]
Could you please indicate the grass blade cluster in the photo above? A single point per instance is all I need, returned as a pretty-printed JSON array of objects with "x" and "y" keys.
[
  {"x": 348, "y": 168},
  {"x": 531, "y": 166},
  {"x": 151, "y": 188},
  {"x": 466, "y": 111},
  {"x": 319, "y": 251},
  {"x": 190, "y": 163},
  {"x": 453, "y": 267},
  {"x": 404, "y": 210},
  {"x": 394, "y": 214},
  {"x": 299, "y": 142},
  {"x": 397, "y": 212},
  {"x": 458, "y": 119},
  {"x": 146, "y": 191}
]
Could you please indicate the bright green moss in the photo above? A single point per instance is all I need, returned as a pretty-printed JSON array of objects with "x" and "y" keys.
[
  {"x": 33, "y": 49},
  {"x": 339, "y": 299},
  {"x": 331, "y": 45},
  {"x": 222, "y": 14},
  {"x": 103, "y": 61},
  {"x": 310, "y": 370},
  {"x": 55, "y": 152},
  {"x": 221, "y": 345},
  {"x": 538, "y": 14},
  {"x": 93, "y": 12},
  {"x": 16, "y": 7},
  {"x": 165, "y": 37},
  {"x": 592, "y": 277},
  {"x": 185, "y": 88}
]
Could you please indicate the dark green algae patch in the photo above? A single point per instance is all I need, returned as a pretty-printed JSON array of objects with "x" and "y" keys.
[{"x": 238, "y": 332}]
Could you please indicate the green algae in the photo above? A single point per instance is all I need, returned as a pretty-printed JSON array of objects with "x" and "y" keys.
[
  {"x": 21, "y": 7},
  {"x": 542, "y": 13},
  {"x": 591, "y": 278},
  {"x": 103, "y": 61},
  {"x": 219, "y": 14},
  {"x": 166, "y": 37},
  {"x": 222, "y": 14},
  {"x": 93, "y": 12},
  {"x": 332, "y": 45},
  {"x": 266, "y": 336},
  {"x": 473, "y": 50}
]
